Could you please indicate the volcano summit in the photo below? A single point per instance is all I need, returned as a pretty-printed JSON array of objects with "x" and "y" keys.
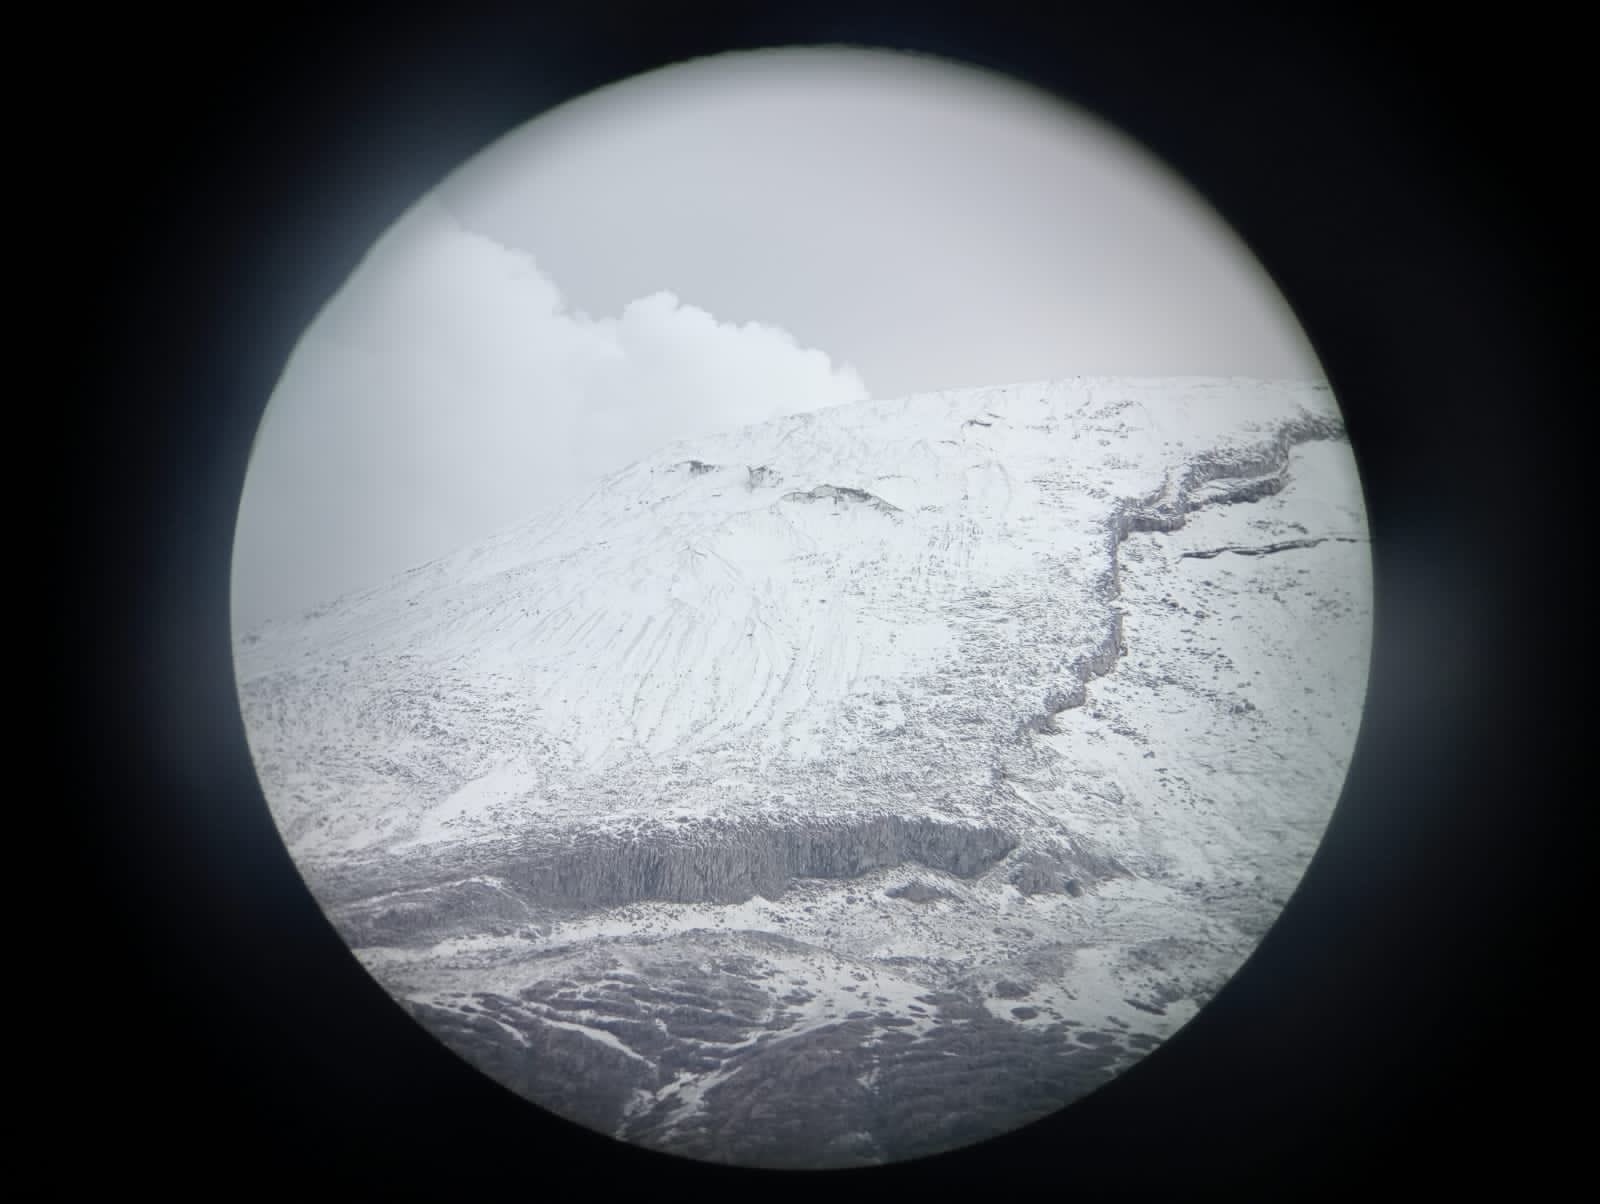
[{"x": 850, "y": 787}]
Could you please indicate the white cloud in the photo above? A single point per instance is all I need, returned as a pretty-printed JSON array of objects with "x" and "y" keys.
[{"x": 447, "y": 391}]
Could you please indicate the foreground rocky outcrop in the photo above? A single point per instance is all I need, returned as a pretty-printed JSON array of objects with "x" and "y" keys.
[
  {"x": 610, "y": 1049},
  {"x": 717, "y": 861}
]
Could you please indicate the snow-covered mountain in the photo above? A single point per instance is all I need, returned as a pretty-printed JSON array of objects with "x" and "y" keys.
[{"x": 976, "y": 734}]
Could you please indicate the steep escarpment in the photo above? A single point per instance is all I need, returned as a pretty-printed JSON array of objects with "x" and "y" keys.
[
  {"x": 717, "y": 861},
  {"x": 722, "y": 861},
  {"x": 1072, "y": 690},
  {"x": 1244, "y": 472}
]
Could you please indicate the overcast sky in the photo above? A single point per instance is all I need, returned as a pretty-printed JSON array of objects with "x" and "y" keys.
[{"x": 715, "y": 244}]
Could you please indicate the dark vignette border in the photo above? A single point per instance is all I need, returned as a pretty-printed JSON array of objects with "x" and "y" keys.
[{"x": 195, "y": 1027}]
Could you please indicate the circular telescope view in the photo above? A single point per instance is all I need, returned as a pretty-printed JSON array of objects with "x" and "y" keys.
[{"x": 807, "y": 609}]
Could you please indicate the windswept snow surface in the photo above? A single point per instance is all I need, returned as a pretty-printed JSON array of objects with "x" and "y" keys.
[{"x": 1029, "y": 702}]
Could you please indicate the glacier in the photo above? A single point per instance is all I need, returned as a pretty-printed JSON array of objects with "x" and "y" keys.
[{"x": 848, "y": 787}]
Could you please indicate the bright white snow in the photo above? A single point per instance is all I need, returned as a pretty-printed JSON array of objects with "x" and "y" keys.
[{"x": 695, "y": 611}]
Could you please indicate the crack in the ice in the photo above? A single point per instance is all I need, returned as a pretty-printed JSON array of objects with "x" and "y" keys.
[
  {"x": 1259, "y": 471},
  {"x": 1267, "y": 549}
]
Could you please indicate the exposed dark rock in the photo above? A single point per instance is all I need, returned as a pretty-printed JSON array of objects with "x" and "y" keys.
[
  {"x": 841, "y": 495},
  {"x": 1097, "y": 662},
  {"x": 719, "y": 861},
  {"x": 891, "y": 1093},
  {"x": 738, "y": 861},
  {"x": 1266, "y": 549},
  {"x": 917, "y": 892},
  {"x": 1050, "y": 868},
  {"x": 570, "y": 1073}
]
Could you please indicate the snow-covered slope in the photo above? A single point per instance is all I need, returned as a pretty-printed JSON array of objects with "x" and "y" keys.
[{"x": 1056, "y": 681}]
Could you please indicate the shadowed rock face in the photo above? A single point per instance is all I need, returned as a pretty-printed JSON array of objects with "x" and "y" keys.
[
  {"x": 917, "y": 892},
  {"x": 1251, "y": 473},
  {"x": 732, "y": 862},
  {"x": 841, "y": 494},
  {"x": 718, "y": 862}
]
